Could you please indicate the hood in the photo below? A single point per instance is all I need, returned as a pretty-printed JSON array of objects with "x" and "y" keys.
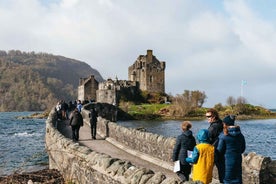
[
  {"x": 188, "y": 133},
  {"x": 203, "y": 135},
  {"x": 234, "y": 130}
]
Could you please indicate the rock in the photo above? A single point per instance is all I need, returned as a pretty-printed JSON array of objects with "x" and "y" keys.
[{"x": 49, "y": 176}]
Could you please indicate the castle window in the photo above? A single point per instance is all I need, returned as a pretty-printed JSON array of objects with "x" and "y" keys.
[{"x": 151, "y": 78}]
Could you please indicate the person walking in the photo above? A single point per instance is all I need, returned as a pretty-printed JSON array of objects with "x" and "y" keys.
[
  {"x": 214, "y": 129},
  {"x": 184, "y": 142},
  {"x": 79, "y": 105},
  {"x": 76, "y": 121},
  {"x": 203, "y": 157},
  {"x": 231, "y": 145},
  {"x": 93, "y": 115}
]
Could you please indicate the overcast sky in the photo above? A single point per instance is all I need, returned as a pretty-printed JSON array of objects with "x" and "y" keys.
[{"x": 210, "y": 46}]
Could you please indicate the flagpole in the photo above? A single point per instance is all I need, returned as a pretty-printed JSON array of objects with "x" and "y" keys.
[
  {"x": 241, "y": 90},
  {"x": 243, "y": 82}
]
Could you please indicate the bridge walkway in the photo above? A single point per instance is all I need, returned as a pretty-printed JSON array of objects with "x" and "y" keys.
[{"x": 101, "y": 145}]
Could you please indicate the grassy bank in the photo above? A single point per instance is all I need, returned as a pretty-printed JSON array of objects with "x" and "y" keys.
[{"x": 170, "y": 111}]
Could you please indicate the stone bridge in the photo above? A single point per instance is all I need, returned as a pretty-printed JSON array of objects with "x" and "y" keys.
[{"x": 82, "y": 164}]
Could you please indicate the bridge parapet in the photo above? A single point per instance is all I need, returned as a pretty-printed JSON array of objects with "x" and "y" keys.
[
  {"x": 158, "y": 149},
  {"x": 79, "y": 164}
]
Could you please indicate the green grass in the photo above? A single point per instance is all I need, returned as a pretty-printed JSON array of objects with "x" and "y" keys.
[
  {"x": 151, "y": 111},
  {"x": 145, "y": 108}
]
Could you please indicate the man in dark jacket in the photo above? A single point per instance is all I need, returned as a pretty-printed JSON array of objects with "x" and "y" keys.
[
  {"x": 93, "y": 122},
  {"x": 76, "y": 121},
  {"x": 184, "y": 142},
  {"x": 215, "y": 128}
]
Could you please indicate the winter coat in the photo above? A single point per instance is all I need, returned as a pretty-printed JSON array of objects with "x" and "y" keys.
[
  {"x": 184, "y": 142},
  {"x": 203, "y": 157},
  {"x": 214, "y": 130},
  {"x": 232, "y": 146},
  {"x": 76, "y": 119},
  {"x": 93, "y": 115}
]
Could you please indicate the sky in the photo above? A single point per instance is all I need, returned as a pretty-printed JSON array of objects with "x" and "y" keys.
[{"x": 220, "y": 47}]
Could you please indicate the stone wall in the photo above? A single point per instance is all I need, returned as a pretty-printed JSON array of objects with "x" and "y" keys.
[
  {"x": 143, "y": 142},
  {"x": 158, "y": 149},
  {"x": 79, "y": 164}
]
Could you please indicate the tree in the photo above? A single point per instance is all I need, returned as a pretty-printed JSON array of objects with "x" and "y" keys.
[
  {"x": 241, "y": 107},
  {"x": 241, "y": 100},
  {"x": 219, "y": 107},
  {"x": 231, "y": 101},
  {"x": 198, "y": 98},
  {"x": 189, "y": 101},
  {"x": 183, "y": 103},
  {"x": 195, "y": 98}
]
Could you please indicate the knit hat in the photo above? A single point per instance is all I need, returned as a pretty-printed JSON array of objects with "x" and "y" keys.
[{"x": 229, "y": 120}]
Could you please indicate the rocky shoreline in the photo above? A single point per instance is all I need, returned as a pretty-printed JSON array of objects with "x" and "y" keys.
[
  {"x": 45, "y": 176},
  {"x": 36, "y": 115}
]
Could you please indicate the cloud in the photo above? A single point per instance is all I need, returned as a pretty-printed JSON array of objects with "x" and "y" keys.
[{"x": 207, "y": 46}]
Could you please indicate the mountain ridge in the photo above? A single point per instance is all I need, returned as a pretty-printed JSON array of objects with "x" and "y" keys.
[{"x": 32, "y": 81}]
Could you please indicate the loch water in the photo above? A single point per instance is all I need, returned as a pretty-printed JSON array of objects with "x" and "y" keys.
[
  {"x": 22, "y": 143},
  {"x": 260, "y": 135}
]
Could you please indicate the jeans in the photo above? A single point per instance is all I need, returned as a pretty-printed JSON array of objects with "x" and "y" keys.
[{"x": 93, "y": 126}]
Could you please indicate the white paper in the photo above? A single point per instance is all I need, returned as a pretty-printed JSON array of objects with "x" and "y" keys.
[
  {"x": 176, "y": 167},
  {"x": 189, "y": 154}
]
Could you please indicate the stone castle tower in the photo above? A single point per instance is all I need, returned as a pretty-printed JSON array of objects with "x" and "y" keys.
[
  {"x": 149, "y": 72},
  {"x": 87, "y": 88}
]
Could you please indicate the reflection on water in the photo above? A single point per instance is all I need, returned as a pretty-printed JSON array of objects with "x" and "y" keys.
[{"x": 259, "y": 134}]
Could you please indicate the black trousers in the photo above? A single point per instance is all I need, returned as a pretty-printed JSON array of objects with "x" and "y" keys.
[
  {"x": 185, "y": 171},
  {"x": 220, "y": 164},
  {"x": 93, "y": 126},
  {"x": 75, "y": 132}
]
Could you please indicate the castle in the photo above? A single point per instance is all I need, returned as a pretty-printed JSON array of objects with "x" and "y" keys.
[{"x": 147, "y": 73}]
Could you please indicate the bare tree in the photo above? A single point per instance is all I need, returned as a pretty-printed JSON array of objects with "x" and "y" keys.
[
  {"x": 189, "y": 100},
  {"x": 241, "y": 100},
  {"x": 198, "y": 98},
  {"x": 183, "y": 103},
  {"x": 231, "y": 101}
]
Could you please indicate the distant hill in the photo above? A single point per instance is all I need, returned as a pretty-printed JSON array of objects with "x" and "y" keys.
[{"x": 36, "y": 81}]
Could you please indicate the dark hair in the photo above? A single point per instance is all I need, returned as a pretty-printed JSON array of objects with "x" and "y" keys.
[{"x": 214, "y": 113}]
